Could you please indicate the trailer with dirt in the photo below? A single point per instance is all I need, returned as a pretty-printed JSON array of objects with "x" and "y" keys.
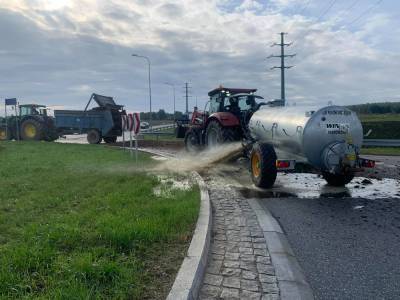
[{"x": 99, "y": 123}]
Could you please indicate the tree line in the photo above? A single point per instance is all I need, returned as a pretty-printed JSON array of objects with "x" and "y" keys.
[
  {"x": 377, "y": 108},
  {"x": 161, "y": 114}
]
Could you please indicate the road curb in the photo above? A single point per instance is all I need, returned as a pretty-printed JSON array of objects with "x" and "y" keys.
[
  {"x": 291, "y": 279},
  {"x": 190, "y": 276},
  {"x": 189, "y": 279}
]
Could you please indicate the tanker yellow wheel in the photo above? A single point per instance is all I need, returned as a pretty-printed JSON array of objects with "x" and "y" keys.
[
  {"x": 255, "y": 164},
  {"x": 30, "y": 131},
  {"x": 263, "y": 165}
]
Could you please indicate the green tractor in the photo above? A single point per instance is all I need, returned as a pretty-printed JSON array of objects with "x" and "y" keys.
[{"x": 31, "y": 124}]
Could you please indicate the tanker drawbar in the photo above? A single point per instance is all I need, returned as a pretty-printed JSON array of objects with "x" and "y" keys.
[{"x": 329, "y": 139}]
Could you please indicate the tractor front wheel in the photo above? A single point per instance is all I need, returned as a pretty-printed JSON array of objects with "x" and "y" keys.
[
  {"x": 216, "y": 134},
  {"x": 5, "y": 135},
  {"x": 263, "y": 165},
  {"x": 192, "y": 141},
  {"x": 93, "y": 136},
  {"x": 31, "y": 130},
  {"x": 338, "y": 179}
]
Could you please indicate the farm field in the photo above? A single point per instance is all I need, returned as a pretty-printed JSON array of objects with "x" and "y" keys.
[
  {"x": 381, "y": 151},
  {"x": 82, "y": 221},
  {"x": 379, "y": 117}
]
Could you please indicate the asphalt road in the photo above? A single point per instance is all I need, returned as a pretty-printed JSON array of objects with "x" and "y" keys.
[{"x": 348, "y": 248}]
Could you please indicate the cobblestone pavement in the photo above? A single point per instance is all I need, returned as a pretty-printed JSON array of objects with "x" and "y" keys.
[{"x": 239, "y": 264}]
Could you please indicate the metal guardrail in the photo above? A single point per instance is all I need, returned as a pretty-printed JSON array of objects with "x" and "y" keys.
[
  {"x": 381, "y": 143},
  {"x": 156, "y": 133},
  {"x": 157, "y": 128}
]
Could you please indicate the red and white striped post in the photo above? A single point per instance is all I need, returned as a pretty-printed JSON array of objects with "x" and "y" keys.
[{"x": 131, "y": 123}]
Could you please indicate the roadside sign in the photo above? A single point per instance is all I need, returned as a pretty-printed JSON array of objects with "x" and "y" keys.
[
  {"x": 131, "y": 123},
  {"x": 136, "y": 126},
  {"x": 11, "y": 101}
]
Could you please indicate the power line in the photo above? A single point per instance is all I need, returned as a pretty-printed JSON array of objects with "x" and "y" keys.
[
  {"x": 347, "y": 10},
  {"x": 187, "y": 90},
  {"x": 299, "y": 13},
  {"x": 323, "y": 13},
  {"x": 326, "y": 10},
  {"x": 365, "y": 12}
]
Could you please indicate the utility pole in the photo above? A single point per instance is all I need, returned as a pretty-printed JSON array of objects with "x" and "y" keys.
[
  {"x": 187, "y": 87},
  {"x": 282, "y": 67}
]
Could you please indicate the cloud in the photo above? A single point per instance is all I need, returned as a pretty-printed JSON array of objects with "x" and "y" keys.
[{"x": 61, "y": 51}]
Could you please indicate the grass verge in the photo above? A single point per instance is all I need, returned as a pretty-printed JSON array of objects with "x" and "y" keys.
[
  {"x": 79, "y": 222},
  {"x": 381, "y": 151}
]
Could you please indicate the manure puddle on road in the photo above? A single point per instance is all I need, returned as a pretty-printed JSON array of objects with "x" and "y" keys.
[{"x": 306, "y": 185}]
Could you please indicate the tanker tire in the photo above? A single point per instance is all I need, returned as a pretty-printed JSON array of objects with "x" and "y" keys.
[
  {"x": 110, "y": 139},
  {"x": 192, "y": 142},
  {"x": 264, "y": 172},
  {"x": 32, "y": 123},
  {"x": 338, "y": 180},
  {"x": 217, "y": 135},
  {"x": 93, "y": 136}
]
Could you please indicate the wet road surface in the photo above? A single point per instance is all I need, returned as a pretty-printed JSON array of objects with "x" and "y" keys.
[
  {"x": 348, "y": 248},
  {"x": 347, "y": 240}
]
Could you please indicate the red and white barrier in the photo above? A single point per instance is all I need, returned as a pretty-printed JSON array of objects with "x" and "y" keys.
[{"x": 131, "y": 122}]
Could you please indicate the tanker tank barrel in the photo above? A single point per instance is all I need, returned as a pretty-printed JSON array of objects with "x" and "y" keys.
[{"x": 328, "y": 138}]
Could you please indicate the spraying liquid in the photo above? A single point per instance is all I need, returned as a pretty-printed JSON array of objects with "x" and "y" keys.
[{"x": 201, "y": 161}]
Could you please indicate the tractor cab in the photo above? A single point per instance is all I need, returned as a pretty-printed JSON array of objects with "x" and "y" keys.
[
  {"x": 225, "y": 118},
  {"x": 32, "y": 109},
  {"x": 232, "y": 100},
  {"x": 240, "y": 103},
  {"x": 233, "y": 103}
]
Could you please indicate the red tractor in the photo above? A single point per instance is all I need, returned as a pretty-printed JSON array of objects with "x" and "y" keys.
[{"x": 225, "y": 119}]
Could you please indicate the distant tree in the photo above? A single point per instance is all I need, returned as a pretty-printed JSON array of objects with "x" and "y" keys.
[{"x": 161, "y": 114}]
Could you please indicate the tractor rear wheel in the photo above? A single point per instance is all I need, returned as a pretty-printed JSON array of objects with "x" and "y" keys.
[
  {"x": 192, "y": 141},
  {"x": 263, "y": 165},
  {"x": 93, "y": 136},
  {"x": 5, "y": 135},
  {"x": 32, "y": 130},
  {"x": 216, "y": 134},
  {"x": 110, "y": 139},
  {"x": 338, "y": 179},
  {"x": 180, "y": 131}
]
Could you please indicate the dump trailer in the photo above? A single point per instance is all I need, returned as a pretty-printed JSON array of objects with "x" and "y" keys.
[{"x": 101, "y": 122}]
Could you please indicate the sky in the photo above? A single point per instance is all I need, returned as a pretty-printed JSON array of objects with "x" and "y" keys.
[{"x": 59, "y": 52}]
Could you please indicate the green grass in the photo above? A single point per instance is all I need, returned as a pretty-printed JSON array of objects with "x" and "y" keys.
[
  {"x": 381, "y": 150},
  {"x": 80, "y": 222}
]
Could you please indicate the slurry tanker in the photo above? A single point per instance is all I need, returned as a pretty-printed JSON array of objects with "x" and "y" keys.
[
  {"x": 327, "y": 138},
  {"x": 279, "y": 138}
]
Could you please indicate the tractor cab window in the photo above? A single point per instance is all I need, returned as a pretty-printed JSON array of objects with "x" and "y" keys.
[
  {"x": 25, "y": 110},
  {"x": 215, "y": 104},
  {"x": 246, "y": 102},
  {"x": 32, "y": 110}
]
